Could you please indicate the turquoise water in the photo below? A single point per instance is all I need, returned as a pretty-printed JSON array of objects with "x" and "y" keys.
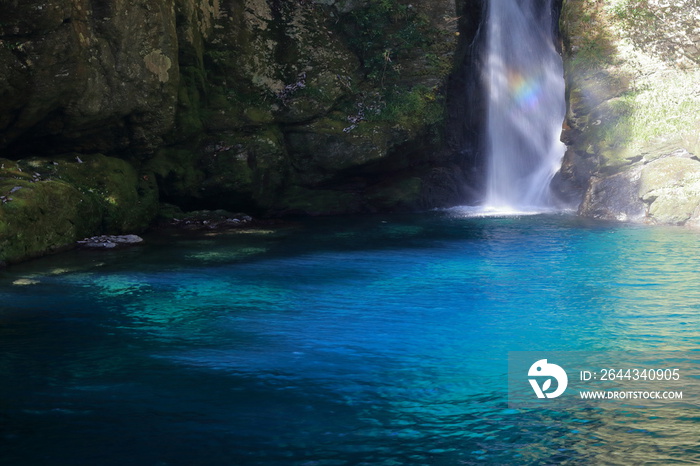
[{"x": 379, "y": 340}]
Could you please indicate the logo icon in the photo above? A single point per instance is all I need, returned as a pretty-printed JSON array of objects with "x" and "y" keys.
[{"x": 543, "y": 369}]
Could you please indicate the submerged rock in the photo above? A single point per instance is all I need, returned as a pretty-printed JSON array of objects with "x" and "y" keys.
[
  {"x": 110, "y": 241},
  {"x": 210, "y": 220},
  {"x": 172, "y": 217}
]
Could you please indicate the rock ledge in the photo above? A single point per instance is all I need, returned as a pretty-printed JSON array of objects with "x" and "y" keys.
[{"x": 110, "y": 241}]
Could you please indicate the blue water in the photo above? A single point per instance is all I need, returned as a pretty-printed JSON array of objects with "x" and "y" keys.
[{"x": 378, "y": 340}]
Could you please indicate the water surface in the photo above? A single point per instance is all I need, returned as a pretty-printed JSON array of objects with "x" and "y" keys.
[{"x": 380, "y": 340}]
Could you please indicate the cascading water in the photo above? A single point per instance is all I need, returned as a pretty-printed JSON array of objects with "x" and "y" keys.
[{"x": 526, "y": 105}]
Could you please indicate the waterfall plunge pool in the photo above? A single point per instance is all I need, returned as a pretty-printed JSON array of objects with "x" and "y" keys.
[{"x": 376, "y": 340}]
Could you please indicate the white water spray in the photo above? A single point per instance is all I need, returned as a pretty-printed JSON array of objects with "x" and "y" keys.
[{"x": 526, "y": 107}]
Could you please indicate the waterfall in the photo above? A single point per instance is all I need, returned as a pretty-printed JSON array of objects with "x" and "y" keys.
[{"x": 526, "y": 106}]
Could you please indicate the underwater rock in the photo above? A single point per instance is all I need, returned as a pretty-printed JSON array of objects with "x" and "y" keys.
[
  {"x": 208, "y": 220},
  {"x": 110, "y": 241}
]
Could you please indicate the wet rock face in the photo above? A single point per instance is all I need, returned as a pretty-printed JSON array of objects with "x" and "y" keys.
[
  {"x": 264, "y": 106},
  {"x": 292, "y": 95},
  {"x": 85, "y": 75},
  {"x": 614, "y": 197}
]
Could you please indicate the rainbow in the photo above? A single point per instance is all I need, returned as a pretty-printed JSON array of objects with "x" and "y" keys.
[{"x": 524, "y": 92}]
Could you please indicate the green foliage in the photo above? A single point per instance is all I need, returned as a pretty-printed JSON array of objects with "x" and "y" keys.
[
  {"x": 625, "y": 98},
  {"x": 384, "y": 32},
  {"x": 393, "y": 38},
  {"x": 667, "y": 30},
  {"x": 14, "y": 45},
  {"x": 664, "y": 109},
  {"x": 590, "y": 36},
  {"x": 420, "y": 106}
]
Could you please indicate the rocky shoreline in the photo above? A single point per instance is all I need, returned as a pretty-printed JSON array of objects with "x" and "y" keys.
[
  {"x": 207, "y": 220},
  {"x": 109, "y": 241}
]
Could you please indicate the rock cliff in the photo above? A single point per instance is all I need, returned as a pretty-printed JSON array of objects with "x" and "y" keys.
[
  {"x": 315, "y": 107},
  {"x": 109, "y": 108},
  {"x": 633, "y": 121}
]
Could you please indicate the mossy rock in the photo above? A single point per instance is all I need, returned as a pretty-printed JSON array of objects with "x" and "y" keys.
[
  {"x": 178, "y": 173},
  {"x": 42, "y": 217},
  {"x": 326, "y": 146},
  {"x": 49, "y": 204},
  {"x": 245, "y": 171},
  {"x": 128, "y": 199},
  {"x": 671, "y": 188}
]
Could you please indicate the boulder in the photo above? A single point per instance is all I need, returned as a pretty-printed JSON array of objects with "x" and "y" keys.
[
  {"x": 664, "y": 190},
  {"x": 63, "y": 199},
  {"x": 109, "y": 241}
]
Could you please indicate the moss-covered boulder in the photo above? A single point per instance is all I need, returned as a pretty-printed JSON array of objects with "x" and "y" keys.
[
  {"x": 48, "y": 204},
  {"x": 41, "y": 217},
  {"x": 127, "y": 199},
  {"x": 670, "y": 187}
]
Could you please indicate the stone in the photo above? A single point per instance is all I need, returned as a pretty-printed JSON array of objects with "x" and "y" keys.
[
  {"x": 71, "y": 201},
  {"x": 250, "y": 105},
  {"x": 632, "y": 118},
  {"x": 670, "y": 187},
  {"x": 110, "y": 241},
  {"x": 614, "y": 197}
]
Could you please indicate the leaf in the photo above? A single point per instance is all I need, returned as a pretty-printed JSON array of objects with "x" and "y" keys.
[{"x": 546, "y": 385}]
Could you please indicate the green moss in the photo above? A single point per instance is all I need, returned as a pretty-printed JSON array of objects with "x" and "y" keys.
[
  {"x": 43, "y": 216},
  {"x": 128, "y": 200},
  {"x": 188, "y": 122},
  {"x": 258, "y": 116},
  {"x": 413, "y": 109},
  {"x": 63, "y": 199},
  {"x": 235, "y": 107},
  {"x": 177, "y": 172}
]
